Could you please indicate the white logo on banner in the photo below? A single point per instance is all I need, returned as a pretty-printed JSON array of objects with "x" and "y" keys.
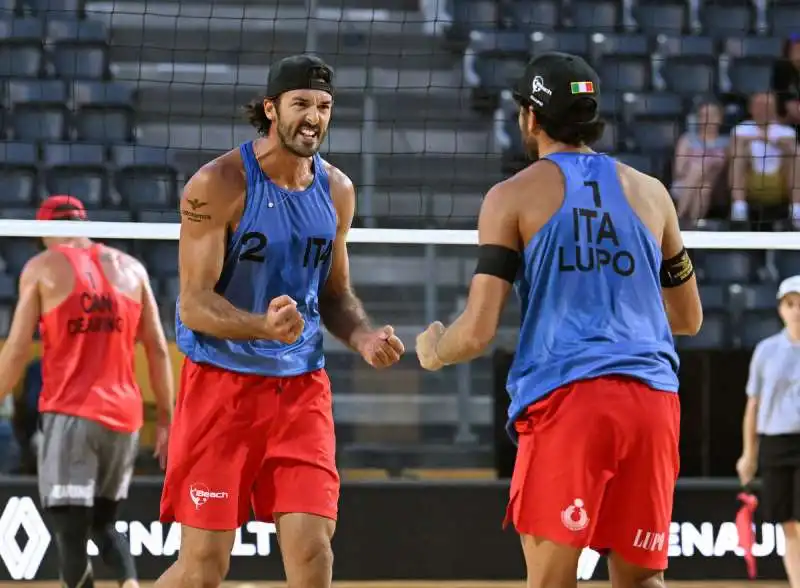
[{"x": 22, "y": 562}]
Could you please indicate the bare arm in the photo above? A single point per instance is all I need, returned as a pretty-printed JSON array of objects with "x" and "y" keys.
[
  {"x": 207, "y": 207},
  {"x": 474, "y": 329},
  {"x": 683, "y": 160},
  {"x": 341, "y": 310},
  {"x": 682, "y": 301},
  {"x": 15, "y": 351},
  {"x": 159, "y": 369}
]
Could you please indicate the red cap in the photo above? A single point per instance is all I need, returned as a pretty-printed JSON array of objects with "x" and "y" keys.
[{"x": 61, "y": 208}]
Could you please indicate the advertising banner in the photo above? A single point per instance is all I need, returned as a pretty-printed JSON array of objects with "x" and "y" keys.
[{"x": 398, "y": 530}]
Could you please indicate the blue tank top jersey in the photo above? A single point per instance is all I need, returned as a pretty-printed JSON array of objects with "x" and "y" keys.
[
  {"x": 590, "y": 292},
  {"x": 283, "y": 245}
]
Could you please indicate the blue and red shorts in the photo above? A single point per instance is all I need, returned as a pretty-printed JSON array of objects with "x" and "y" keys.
[
  {"x": 596, "y": 467},
  {"x": 243, "y": 441}
]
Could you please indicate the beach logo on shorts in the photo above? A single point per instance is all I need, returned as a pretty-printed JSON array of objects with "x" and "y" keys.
[
  {"x": 200, "y": 494},
  {"x": 574, "y": 516}
]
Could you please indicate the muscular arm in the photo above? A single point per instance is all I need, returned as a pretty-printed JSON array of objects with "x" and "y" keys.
[
  {"x": 341, "y": 311},
  {"x": 207, "y": 206},
  {"x": 682, "y": 302},
  {"x": 474, "y": 329},
  {"x": 159, "y": 369},
  {"x": 16, "y": 349}
]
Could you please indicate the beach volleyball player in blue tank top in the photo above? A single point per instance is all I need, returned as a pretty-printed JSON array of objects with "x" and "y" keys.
[
  {"x": 594, "y": 252},
  {"x": 263, "y": 266}
]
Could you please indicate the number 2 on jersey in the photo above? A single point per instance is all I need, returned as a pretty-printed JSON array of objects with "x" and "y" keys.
[{"x": 254, "y": 243}]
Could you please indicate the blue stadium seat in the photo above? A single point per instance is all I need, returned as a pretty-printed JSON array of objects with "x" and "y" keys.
[
  {"x": 595, "y": 15},
  {"x": 158, "y": 216},
  {"x": 661, "y": 17},
  {"x": 625, "y": 74},
  {"x": 55, "y": 8},
  {"x": 727, "y": 21},
  {"x": 785, "y": 19},
  {"x": 18, "y": 251},
  {"x": 728, "y": 266},
  {"x": 108, "y": 124},
  {"x": 714, "y": 297},
  {"x": 610, "y": 140},
  {"x": 498, "y": 43},
  {"x": 713, "y": 334},
  {"x": 102, "y": 94},
  {"x": 79, "y": 170},
  {"x": 473, "y": 14},
  {"x": 80, "y": 48},
  {"x": 40, "y": 122},
  {"x": 567, "y": 41},
  {"x": 690, "y": 78},
  {"x": 657, "y": 105},
  {"x": 660, "y": 135},
  {"x": 766, "y": 47},
  {"x": 170, "y": 287},
  {"x": 16, "y": 153},
  {"x": 788, "y": 263},
  {"x": 531, "y": 15},
  {"x": 751, "y": 75},
  {"x": 145, "y": 178},
  {"x": 757, "y": 325},
  {"x": 697, "y": 48},
  {"x": 8, "y": 288},
  {"x": 7, "y": 7},
  {"x": 19, "y": 186},
  {"x": 161, "y": 258},
  {"x": 40, "y": 92},
  {"x": 760, "y": 296},
  {"x": 621, "y": 45},
  {"x": 640, "y": 161},
  {"x": 6, "y": 312},
  {"x": 21, "y": 47}
]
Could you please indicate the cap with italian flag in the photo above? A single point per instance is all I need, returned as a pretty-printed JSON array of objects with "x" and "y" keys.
[{"x": 554, "y": 81}]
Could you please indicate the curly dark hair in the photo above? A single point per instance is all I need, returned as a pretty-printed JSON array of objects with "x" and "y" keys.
[
  {"x": 572, "y": 127},
  {"x": 255, "y": 115}
]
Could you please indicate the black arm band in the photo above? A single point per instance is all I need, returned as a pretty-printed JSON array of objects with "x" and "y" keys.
[
  {"x": 498, "y": 261},
  {"x": 676, "y": 270}
]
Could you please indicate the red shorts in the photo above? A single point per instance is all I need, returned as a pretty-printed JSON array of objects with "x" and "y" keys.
[
  {"x": 596, "y": 467},
  {"x": 241, "y": 440}
]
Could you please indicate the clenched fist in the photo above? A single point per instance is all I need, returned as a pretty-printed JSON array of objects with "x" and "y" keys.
[
  {"x": 382, "y": 348},
  {"x": 284, "y": 321}
]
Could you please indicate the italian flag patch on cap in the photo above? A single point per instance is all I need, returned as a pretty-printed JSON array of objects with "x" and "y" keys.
[{"x": 582, "y": 87}]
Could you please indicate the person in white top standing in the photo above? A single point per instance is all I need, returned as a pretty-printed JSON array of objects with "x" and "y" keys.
[
  {"x": 765, "y": 170},
  {"x": 771, "y": 427}
]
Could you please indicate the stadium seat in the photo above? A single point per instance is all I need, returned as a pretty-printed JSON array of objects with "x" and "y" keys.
[
  {"x": 728, "y": 266},
  {"x": 760, "y": 296},
  {"x": 785, "y": 19},
  {"x": 21, "y": 47},
  {"x": 621, "y": 45},
  {"x": 731, "y": 20},
  {"x": 80, "y": 48},
  {"x": 594, "y": 15},
  {"x": 158, "y": 216},
  {"x": 656, "y": 105},
  {"x": 660, "y": 17},
  {"x": 161, "y": 258},
  {"x": 690, "y": 78},
  {"x": 144, "y": 178},
  {"x": 658, "y": 135},
  {"x": 102, "y": 94},
  {"x": 714, "y": 333},
  {"x": 55, "y": 8},
  {"x": 566, "y": 41},
  {"x": 764, "y": 47},
  {"x": 40, "y": 122},
  {"x": 36, "y": 92},
  {"x": 473, "y": 14},
  {"x": 7, "y": 7},
  {"x": 714, "y": 297},
  {"x": 8, "y": 288},
  {"x": 757, "y": 325},
  {"x": 170, "y": 287},
  {"x": 17, "y": 252},
  {"x": 610, "y": 140},
  {"x": 19, "y": 186},
  {"x": 530, "y": 15},
  {"x": 625, "y": 74},
  {"x": 640, "y": 161},
  {"x": 6, "y": 312},
  {"x": 108, "y": 124},
  {"x": 750, "y": 75},
  {"x": 788, "y": 263},
  {"x": 79, "y": 170}
]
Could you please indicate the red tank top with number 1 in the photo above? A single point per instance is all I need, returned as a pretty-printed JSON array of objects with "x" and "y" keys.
[{"x": 88, "y": 348}]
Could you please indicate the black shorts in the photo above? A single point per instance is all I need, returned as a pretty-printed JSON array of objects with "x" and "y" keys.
[{"x": 779, "y": 467}]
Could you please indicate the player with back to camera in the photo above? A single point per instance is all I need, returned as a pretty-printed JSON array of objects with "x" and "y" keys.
[
  {"x": 594, "y": 250},
  {"x": 91, "y": 303},
  {"x": 263, "y": 264}
]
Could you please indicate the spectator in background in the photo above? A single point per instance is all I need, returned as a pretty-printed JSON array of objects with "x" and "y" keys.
[
  {"x": 699, "y": 160},
  {"x": 786, "y": 83},
  {"x": 765, "y": 169}
]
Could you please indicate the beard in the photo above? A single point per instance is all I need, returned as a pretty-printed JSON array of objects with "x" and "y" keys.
[{"x": 296, "y": 143}]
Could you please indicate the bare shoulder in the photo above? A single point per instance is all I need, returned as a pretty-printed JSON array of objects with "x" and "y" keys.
[
  {"x": 40, "y": 263},
  {"x": 219, "y": 185},
  {"x": 635, "y": 182},
  {"x": 343, "y": 191},
  {"x": 127, "y": 262}
]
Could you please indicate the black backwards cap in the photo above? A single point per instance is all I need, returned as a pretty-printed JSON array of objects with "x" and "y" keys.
[
  {"x": 553, "y": 82},
  {"x": 299, "y": 72}
]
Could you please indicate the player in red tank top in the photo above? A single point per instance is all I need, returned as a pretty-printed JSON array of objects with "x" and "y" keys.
[{"x": 91, "y": 303}]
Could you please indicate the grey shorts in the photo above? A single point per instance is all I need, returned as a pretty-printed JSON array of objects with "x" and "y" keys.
[{"x": 80, "y": 459}]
